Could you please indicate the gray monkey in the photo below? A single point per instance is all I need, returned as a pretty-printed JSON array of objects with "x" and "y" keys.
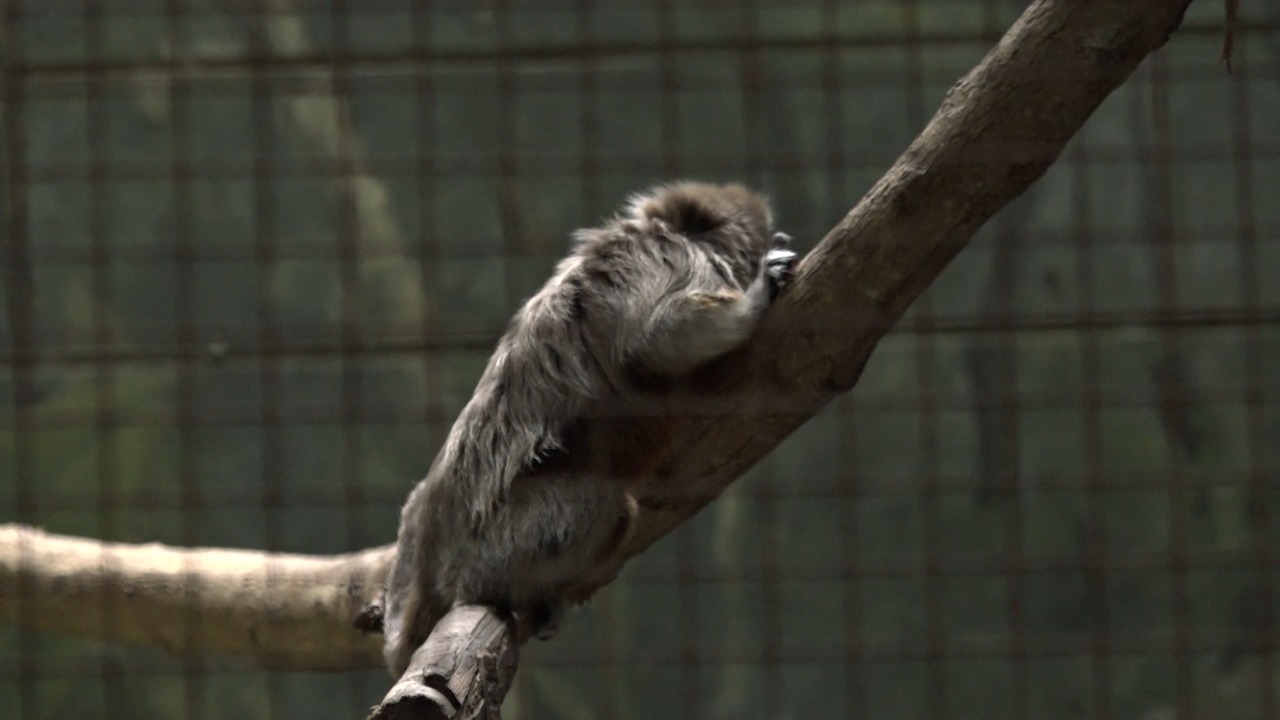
[{"x": 678, "y": 278}]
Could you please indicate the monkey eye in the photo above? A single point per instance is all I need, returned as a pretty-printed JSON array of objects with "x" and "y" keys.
[{"x": 781, "y": 240}]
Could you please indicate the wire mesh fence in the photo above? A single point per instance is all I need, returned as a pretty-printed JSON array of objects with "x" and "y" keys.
[{"x": 256, "y": 254}]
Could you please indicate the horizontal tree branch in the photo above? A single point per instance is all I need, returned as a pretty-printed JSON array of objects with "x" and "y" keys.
[
  {"x": 285, "y": 611},
  {"x": 997, "y": 131}
]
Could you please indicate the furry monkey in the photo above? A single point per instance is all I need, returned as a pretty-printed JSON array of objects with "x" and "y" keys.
[{"x": 679, "y": 277}]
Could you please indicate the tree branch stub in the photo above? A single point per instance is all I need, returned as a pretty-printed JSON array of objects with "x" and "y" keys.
[{"x": 462, "y": 671}]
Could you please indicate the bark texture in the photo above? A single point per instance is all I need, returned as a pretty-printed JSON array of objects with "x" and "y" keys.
[{"x": 462, "y": 671}]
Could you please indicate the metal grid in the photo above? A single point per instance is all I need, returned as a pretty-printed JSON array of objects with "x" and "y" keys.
[{"x": 256, "y": 253}]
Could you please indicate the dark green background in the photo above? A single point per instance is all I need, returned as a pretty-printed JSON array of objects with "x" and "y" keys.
[{"x": 272, "y": 244}]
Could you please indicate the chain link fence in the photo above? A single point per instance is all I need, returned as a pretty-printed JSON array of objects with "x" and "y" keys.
[{"x": 257, "y": 252}]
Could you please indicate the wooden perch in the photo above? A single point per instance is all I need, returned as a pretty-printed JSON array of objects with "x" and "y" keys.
[
  {"x": 463, "y": 670},
  {"x": 997, "y": 131}
]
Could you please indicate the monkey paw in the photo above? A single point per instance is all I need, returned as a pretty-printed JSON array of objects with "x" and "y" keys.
[{"x": 779, "y": 264}]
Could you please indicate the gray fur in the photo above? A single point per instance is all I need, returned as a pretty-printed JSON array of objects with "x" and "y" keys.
[{"x": 677, "y": 278}]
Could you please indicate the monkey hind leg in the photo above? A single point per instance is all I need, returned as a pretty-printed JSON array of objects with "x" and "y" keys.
[{"x": 554, "y": 530}]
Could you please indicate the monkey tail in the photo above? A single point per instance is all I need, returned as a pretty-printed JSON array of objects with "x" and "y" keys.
[{"x": 401, "y": 608}]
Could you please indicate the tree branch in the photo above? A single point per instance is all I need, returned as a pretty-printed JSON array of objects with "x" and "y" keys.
[
  {"x": 997, "y": 131},
  {"x": 463, "y": 670},
  {"x": 999, "y": 128},
  {"x": 285, "y": 611}
]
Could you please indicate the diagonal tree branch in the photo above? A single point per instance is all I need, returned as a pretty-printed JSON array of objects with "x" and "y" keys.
[{"x": 997, "y": 131}]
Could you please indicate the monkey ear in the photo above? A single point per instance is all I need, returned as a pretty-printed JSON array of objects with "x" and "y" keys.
[
  {"x": 686, "y": 208},
  {"x": 696, "y": 218}
]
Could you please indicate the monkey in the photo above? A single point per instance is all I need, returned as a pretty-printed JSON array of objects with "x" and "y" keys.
[{"x": 677, "y": 278}]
